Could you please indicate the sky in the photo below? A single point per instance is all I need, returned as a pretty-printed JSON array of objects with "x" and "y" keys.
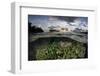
[{"x": 45, "y": 22}]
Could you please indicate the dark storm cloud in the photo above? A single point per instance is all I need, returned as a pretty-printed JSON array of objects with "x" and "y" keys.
[{"x": 46, "y": 21}]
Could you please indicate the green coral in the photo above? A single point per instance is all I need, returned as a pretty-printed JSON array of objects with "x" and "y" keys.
[{"x": 54, "y": 50}]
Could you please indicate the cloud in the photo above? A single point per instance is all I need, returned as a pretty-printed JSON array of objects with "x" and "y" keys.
[{"x": 46, "y": 21}]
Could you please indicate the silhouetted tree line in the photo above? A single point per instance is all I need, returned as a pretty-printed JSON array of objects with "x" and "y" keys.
[{"x": 34, "y": 29}]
